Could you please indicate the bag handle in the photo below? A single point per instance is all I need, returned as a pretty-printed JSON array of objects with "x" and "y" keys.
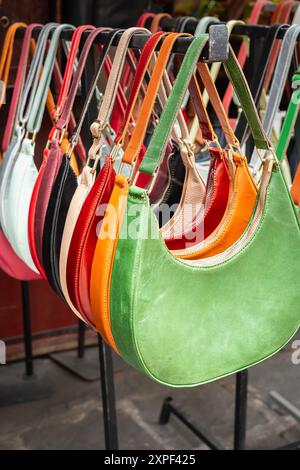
[
  {"x": 283, "y": 18},
  {"x": 133, "y": 148},
  {"x": 19, "y": 83},
  {"x": 63, "y": 121},
  {"x": 69, "y": 70},
  {"x": 278, "y": 83},
  {"x": 214, "y": 71},
  {"x": 155, "y": 25},
  {"x": 201, "y": 28},
  {"x": 290, "y": 118},
  {"x": 216, "y": 103},
  {"x": 144, "y": 18},
  {"x": 142, "y": 66},
  {"x": 38, "y": 106},
  {"x": 104, "y": 52},
  {"x": 243, "y": 52},
  {"x": 256, "y": 85},
  {"x": 32, "y": 79},
  {"x": 160, "y": 137},
  {"x": 111, "y": 89},
  {"x": 6, "y": 56}
]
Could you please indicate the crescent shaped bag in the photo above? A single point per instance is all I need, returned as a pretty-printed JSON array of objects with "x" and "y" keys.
[
  {"x": 66, "y": 181},
  {"x": 10, "y": 263},
  {"x": 184, "y": 324},
  {"x": 24, "y": 172},
  {"x": 39, "y": 199},
  {"x": 131, "y": 157},
  {"x": 80, "y": 223}
]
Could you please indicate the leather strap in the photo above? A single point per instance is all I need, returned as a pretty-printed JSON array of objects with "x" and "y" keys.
[
  {"x": 133, "y": 148},
  {"x": 18, "y": 85},
  {"x": 201, "y": 28},
  {"x": 144, "y": 18},
  {"x": 159, "y": 140},
  {"x": 256, "y": 85},
  {"x": 6, "y": 56},
  {"x": 243, "y": 52},
  {"x": 69, "y": 70},
  {"x": 37, "y": 112},
  {"x": 146, "y": 55},
  {"x": 290, "y": 118},
  {"x": 217, "y": 103},
  {"x": 111, "y": 89},
  {"x": 63, "y": 121},
  {"x": 32, "y": 79},
  {"x": 105, "y": 50},
  {"x": 278, "y": 83},
  {"x": 283, "y": 17},
  {"x": 155, "y": 25},
  {"x": 215, "y": 68}
]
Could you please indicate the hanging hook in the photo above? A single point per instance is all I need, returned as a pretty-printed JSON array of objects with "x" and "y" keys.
[{"x": 4, "y": 21}]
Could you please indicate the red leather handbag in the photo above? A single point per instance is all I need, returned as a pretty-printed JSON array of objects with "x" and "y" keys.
[
  {"x": 218, "y": 185},
  {"x": 84, "y": 238},
  {"x": 51, "y": 161}
]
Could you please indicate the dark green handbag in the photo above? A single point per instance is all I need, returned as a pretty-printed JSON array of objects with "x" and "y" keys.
[{"x": 185, "y": 322}]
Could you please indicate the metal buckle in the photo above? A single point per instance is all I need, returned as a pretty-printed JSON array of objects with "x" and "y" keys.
[{"x": 31, "y": 136}]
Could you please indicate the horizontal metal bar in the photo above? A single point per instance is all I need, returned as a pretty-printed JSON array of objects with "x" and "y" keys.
[{"x": 285, "y": 405}]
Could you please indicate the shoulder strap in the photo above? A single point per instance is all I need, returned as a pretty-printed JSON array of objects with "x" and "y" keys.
[
  {"x": 243, "y": 52},
  {"x": 284, "y": 17},
  {"x": 142, "y": 66},
  {"x": 215, "y": 68},
  {"x": 155, "y": 25},
  {"x": 111, "y": 89},
  {"x": 160, "y": 137},
  {"x": 69, "y": 70},
  {"x": 133, "y": 148},
  {"x": 278, "y": 83},
  {"x": 62, "y": 122},
  {"x": 290, "y": 118},
  {"x": 144, "y": 18},
  {"x": 33, "y": 76},
  {"x": 256, "y": 84},
  {"x": 18, "y": 85},
  {"x": 6, "y": 56},
  {"x": 104, "y": 51},
  {"x": 38, "y": 106}
]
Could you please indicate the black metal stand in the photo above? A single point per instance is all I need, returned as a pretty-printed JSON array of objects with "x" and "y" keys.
[
  {"x": 83, "y": 362},
  {"x": 108, "y": 396},
  {"x": 240, "y": 420},
  {"x": 280, "y": 403},
  {"x": 18, "y": 387}
]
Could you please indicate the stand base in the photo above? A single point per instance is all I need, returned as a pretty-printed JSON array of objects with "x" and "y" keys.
[
  {"x": 86, "y": 368},
  {"x": 16, "y": 387},
  {"x": 169, "y": 408}
]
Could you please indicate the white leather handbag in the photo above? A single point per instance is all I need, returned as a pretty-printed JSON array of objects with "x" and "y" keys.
[{"x": 23, "y": 172}]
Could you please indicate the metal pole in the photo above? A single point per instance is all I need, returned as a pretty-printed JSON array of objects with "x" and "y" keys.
[
  {"x": 81, "y": 337},
  {"x": 108, "y": 396},
  {"x": 240, "y": 418},
  {"x": 29, "y": 369}
]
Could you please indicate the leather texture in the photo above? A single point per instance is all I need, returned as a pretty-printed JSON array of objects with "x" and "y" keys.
[
  {"x": 157, "y": 344},
  {"x": 211, "y": 211},
  {"x": 131, "y": 153},
  {"x": 70, "y": 271},
  {"x": 66, "y": 182},
  {"x": 154, "y": 279}
]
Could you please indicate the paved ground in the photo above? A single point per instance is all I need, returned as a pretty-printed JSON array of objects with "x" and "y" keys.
[{"x": 71, "y": 417}]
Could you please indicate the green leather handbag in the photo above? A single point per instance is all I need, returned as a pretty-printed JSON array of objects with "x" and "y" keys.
[{"x": 189, "y": 322}]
